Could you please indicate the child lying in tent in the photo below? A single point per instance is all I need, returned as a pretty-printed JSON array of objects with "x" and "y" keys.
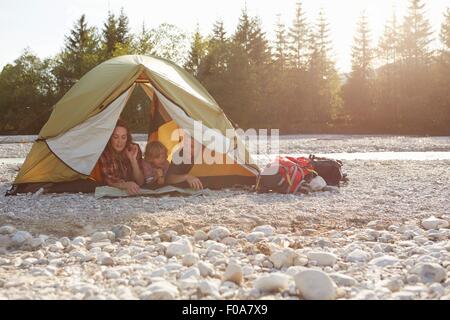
[
  {"x": 158, "y": 171},
  {"x": 155, "y": 164}
]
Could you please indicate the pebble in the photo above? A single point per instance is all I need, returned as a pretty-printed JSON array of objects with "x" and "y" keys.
[
  {"x": 434, "y": 223},
  {"x": 206, "y": 269},
  {"x": 20, "y": 237},
  {"x": 358, "y": 255},
  {"x": 209, "y": 287},
  {"x": 179, "y": 248},
  {"x": 273, "y": 282},
  {"x": 105, "y": 259},
  {"x": 7, "y": 230},
  {"x": 283, "y": 258},
  {"x": 233, "y": 273},
  {"x": 121, "y": 231},
  {"x": 218, "y": 233},
  {"x": 191, "y": 272},
  {"x": 343, "y": 280},
  {"x": 322, "y": 258},
  {"x": 315, "y": 285},
  {"x": 200, "y": 235},
  {"x": 161, "y": 290},
  {"x": 255, "y": 236},
  {"x": 190, "y": 259},
  {"x": 429, "y": 272},
  {"x": 266, "y": 229},
  {"x": 384, "y": 261}
]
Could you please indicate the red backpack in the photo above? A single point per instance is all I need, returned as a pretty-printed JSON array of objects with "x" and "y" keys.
[{"x": 285, "y": 175}]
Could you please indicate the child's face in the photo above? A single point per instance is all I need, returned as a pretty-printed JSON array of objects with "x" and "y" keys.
[{"x": 158, "y": 161}]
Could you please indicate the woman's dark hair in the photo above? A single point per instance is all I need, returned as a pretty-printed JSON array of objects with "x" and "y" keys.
[{"x": 123, "y": 124}]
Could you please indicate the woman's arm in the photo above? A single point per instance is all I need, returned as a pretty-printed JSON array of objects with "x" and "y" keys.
[
  {"x": 134, "y": 155},
  {"x": 137, "y": 173}
]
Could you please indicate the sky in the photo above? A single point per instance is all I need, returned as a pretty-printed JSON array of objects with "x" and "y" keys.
[{"x": 42, "y": 24}]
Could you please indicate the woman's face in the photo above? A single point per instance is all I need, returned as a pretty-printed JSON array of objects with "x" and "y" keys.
[{"x": 119, "y": 139}]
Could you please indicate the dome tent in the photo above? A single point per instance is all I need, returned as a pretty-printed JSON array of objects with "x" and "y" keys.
[{"x": 71, "y": 142}]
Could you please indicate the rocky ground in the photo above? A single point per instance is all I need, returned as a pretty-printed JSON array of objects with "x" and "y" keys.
[
  {"x": 401, "y": 262},
  {"x": 385, "y": 235}
]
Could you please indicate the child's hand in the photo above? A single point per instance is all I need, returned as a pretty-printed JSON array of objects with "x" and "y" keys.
[{"x": 194, "y": 182}]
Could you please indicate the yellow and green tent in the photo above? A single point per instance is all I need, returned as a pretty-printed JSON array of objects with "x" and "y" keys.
[{"x": 71, "y": 142}]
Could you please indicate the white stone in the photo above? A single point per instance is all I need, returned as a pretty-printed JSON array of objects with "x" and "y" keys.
[
  {"x": 121, "y": 231},
  {"x": 7, "y": 230},
  {"x": 233, "y": 273},
  {"x": 79, "y": 241},
  {"x": 437, "y": 289},
  {"x": 191, "y": 272},
  {"x": 266, "y": 229},
  {"x": 161, "y": 290},
  {"x": 272, "y": 282},
  {"x": 429, "y": 272},
  {"x": 343, "y": 280},
  {"x": 322, "y": 258},
  {"x": 384, "y": 261},
  {"x": 283, "y": 258},
  {"x": 366, "y": 295},
  {"x": 218, "y": 233},
  {"x": 99, "y": 236},
  {"x": 434, "y": 223},
  {"x": 190, "y": 259},
  {"x": 20, "y": 237},
  {"x": 358, "y": 255},
  {"x": 255, "y": 236},
  {"x": 393, "y": 285},
  {"x": 403, "y": 296},
  {"x": 209, "y": 287},
  {"x": 200, "y": 235},
  {"x": 111, "y": 274},
  {"x": 315, "y": 285},
  {"x": 179, "y": 248},
  {"x": 292, "y": 271},
  {"x": 105, "y": 259},
  {"x": 206, "y": 269}
]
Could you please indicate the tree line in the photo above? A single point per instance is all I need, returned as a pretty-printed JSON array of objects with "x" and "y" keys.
[{"x": 399, "y": 85}]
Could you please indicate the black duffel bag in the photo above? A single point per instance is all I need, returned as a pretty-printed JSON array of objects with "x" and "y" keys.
[{"x": 329, "y": 169}]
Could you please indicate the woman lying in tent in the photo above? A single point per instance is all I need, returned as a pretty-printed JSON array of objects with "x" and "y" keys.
[{"x": 121, "y": 161}]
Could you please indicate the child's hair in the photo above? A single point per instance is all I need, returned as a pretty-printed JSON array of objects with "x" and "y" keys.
[{"x": 154, "y": 149}]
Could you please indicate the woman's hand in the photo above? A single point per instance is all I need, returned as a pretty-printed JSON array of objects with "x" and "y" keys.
[
  {"x": 194, "y": 182},
  {"x": 131, "y": 152},
  {"x": 132, "y": 188}
]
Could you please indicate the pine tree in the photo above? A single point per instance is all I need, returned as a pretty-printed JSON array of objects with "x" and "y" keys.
[
  {"x": 218, "y": 47},
  {"x": 388, "y": 46},
  {"x": 123, "y": 30},
  {"x": 362, "y": 52},
  {"x": 196, "y": 53},
  {"x": 416, "y": 37},
  {"x": 324, "y": 96},
  {"x": 358, "y": 89},
  {"x": 281, "y": 54},
  {"x": 298, "y": 39},
  {"x": 445, "y": 33},
  {"x": 81, "y": 54},
  {"x": 259, "y": 50},
  {"x": 243, "y": 33},
  {"x": 110, "y": 35},
  {"x": 143, "y": 44}
]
